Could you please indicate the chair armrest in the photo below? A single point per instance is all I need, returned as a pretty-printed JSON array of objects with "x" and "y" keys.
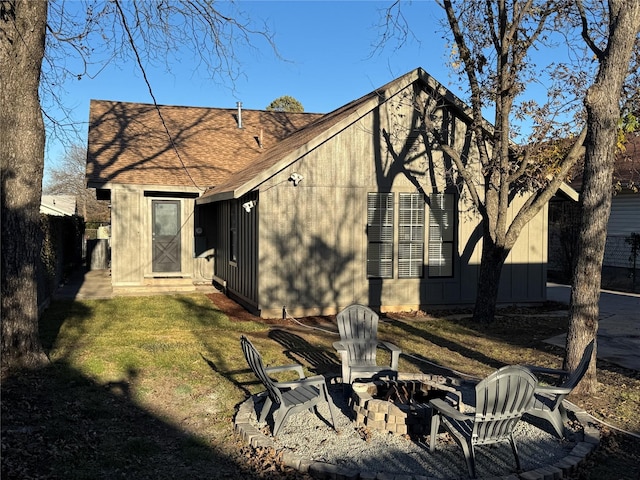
[
  {"x": 552, "y": 389},
  {"x": 390, "y": 346},
  {"x": 548, "y": 371},
  {"x": 443, "y": 407},
  {"x": 339, "y": 346},
  {"x": 395, "y": 353},
  {"x": 315, "y": 380},
  {"x": 285, "y": 368}
]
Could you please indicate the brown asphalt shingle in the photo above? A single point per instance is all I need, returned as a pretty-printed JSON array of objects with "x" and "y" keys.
[{"x": 128, "y": 143}]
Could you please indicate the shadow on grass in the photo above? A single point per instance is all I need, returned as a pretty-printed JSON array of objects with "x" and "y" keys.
[
  {"x": 441, "y": 342},
  {"x": 57, "y": 423},
  {"x": 300, "y": 351},
  {"x": 59, "y": 312}
]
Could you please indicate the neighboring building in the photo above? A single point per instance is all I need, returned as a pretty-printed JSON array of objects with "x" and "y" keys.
[
  {"x": 58, "y": 205},
  {"x": 299, "y": 211},
  {"x": 623, "y": 221}
]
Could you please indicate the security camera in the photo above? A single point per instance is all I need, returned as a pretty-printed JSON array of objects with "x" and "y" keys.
[
  {"x": 296, "y": 178},
  {"x": 249, "y": 205}
]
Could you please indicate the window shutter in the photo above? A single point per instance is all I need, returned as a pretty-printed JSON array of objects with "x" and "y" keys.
[
  {"x": 410, "y": 235},
  {"x": 441, "y": 235},
  {"x": 380, "y": 235}
]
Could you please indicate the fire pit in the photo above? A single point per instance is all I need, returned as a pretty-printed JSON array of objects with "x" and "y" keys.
[{"x": 399, "y": 406}]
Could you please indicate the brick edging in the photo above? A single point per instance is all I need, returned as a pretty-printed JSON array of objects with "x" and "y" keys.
[{"x": 321, "y": 470}]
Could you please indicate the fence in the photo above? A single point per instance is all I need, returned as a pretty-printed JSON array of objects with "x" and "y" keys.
[
  {"x": 61, "y": 253},
  {"x": 617, "y": 252}
]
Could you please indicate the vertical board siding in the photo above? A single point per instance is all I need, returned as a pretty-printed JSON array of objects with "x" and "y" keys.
[
  {"x": 241, "y": 277},
  {"x": 127, "y": 238},
  {"x": 131, "y": 237},
  {"x": 312, "y": 237}
]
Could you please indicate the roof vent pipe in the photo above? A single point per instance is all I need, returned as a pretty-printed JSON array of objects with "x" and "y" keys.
[{"x": 239, "y": 104}]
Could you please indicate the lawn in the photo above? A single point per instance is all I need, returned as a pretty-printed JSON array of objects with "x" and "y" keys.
[{"x": 147, "y": 387}]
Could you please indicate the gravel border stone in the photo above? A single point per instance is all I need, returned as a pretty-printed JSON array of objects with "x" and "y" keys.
[{"x": 309, "y": 445}]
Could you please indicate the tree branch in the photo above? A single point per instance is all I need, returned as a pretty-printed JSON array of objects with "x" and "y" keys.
[
  {"x": 134, "y": 48},
  {"x": 585, "y": 31}
]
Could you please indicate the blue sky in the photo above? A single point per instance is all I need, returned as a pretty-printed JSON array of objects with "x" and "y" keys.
[{"x": 329, "y": 61}]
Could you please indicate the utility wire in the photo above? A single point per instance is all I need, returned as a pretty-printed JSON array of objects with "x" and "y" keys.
[{"x": 155, "y": 103}]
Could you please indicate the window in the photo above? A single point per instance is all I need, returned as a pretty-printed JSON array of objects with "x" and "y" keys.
[
  {"x": 410, "y": 235},
  {"x": 441, "y": 234},
  {"x": 233, "y": 231},
  {"x": 380, "y": 235}
]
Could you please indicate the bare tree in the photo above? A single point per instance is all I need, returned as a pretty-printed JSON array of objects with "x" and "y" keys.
[
  {"x": 68, "y": 178},
  {"x": 619, "y": 29},
  {"x": 491, "y": 50},
  {"x": 92, "y": 32}
]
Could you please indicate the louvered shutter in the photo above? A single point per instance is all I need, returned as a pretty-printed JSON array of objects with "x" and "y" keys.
[
  {"x": 380, "y": 235},
  {"x": 410, "y": 235},
  {"x": 441, "y": 235}
]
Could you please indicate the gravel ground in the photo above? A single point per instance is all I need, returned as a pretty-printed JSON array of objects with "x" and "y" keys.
[{"x": 356, "y": 447}]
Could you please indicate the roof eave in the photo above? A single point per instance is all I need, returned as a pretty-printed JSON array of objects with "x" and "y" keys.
[
  {"x": 393, "y": 89},
  {"x": 217, "y": 197},
  {"x": 569, "y": 192}
]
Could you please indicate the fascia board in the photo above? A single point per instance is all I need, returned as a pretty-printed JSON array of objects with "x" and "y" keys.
[
  {"x": 143, "y": 187},
  {"x": 217, "y": 197},
  {"x": 570, "y": 192}
]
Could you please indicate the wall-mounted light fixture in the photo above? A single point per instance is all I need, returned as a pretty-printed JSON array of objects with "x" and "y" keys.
[
  {"x": 296, "y": 178},
  {"x": 249, "y": 205}
]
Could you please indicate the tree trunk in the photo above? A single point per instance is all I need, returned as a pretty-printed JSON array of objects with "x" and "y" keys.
[
  {"x": 491, "y": 264},
  {"x": 22, "y": 40},
  {"x": 603, "y": 113}
]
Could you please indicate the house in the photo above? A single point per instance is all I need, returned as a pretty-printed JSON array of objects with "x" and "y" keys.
[
  {"x": 298, "y": 212},
  {"x": 624, "y": 221}
]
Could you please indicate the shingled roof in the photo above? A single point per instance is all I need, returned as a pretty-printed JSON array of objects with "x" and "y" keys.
[
  {"x": 626, "y": 173},
  {"x": 128, "y": 143},
  {"x": 311, "y": 136}
]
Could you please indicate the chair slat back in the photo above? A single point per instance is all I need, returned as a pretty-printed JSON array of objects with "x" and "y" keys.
[
  {"x": 254, "y": 360},
  {"x": 574, "y": 378},
  {"x": 501, "y": 400},
  {"x": 363, "y": 353},
  {"x": 358, "y": 322}
]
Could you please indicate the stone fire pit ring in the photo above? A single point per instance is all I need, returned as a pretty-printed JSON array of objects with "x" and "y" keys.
[{"x": 400, "y": 406}]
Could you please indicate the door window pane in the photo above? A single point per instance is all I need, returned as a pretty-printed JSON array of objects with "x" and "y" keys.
[{"x": 166, "y": 219}]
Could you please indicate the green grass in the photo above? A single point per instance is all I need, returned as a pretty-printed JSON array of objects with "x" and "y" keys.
[{"x": 147, "y": 387}]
